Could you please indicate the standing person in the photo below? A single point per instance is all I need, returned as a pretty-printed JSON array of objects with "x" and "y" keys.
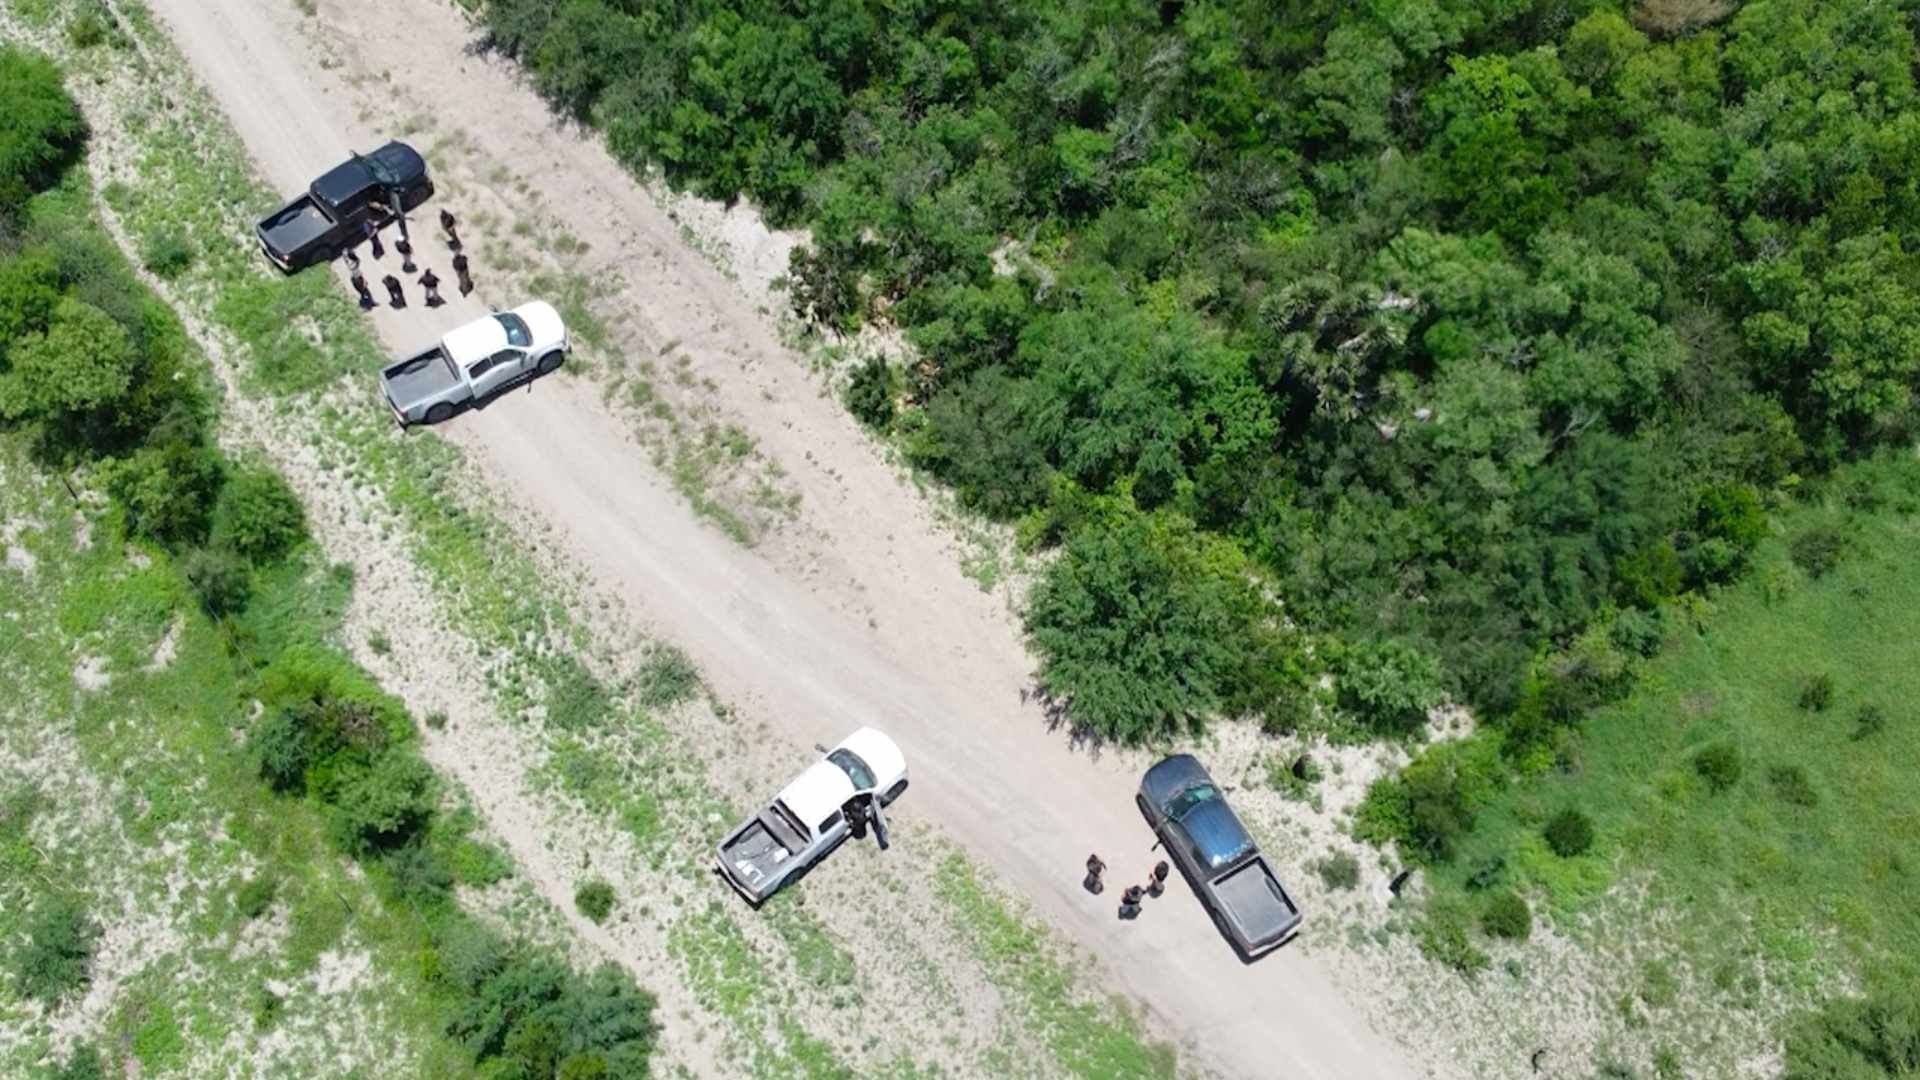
[
  {"x": 460, "y": 271},
  {"x": 372, "y": 236},
  {"x": 1157, "y": 884},
  {"x": 352, "y": 260},
  {"x": 405, "y": 248},
  {"x": 1130, "y": 902},
  {"x": 447, "y": 223},
  {"x": 393, "y": 291},
  {"x": 431, "y": 282},
  {"x": 360, "y": 286},
  {"x": 1094, "y": 869}
]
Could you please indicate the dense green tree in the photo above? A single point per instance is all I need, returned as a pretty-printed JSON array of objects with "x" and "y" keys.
[
  {"x": 1146, "y": 627},
  {"x": 1875, "y": 1037},
  {"x": 41, "y": 131},
  {"x": 81, "y": 362}
]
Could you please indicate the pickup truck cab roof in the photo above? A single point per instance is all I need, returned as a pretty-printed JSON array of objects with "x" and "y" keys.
[
  {"x": 519, "y": 328},
  {"x": 865, "y": 761},
  {"x": 395, "y": 165}
]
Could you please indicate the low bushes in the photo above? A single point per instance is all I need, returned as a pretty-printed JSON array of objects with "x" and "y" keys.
[
  {"x": 594, "y": 898},
  {"x": 54, "y": 958},
  {"x": 1507, "y": 916},
  {"x": 1569, "y": 833}
]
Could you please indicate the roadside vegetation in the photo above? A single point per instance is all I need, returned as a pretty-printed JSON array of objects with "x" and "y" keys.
[
  {"x": 1495, "y": 354},
  {"x": 99, "y": 384}
]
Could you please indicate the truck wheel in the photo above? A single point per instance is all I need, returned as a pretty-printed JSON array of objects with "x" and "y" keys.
[
  {"x": 439, "y": 413},
  {"x": 550, "y": 363}
]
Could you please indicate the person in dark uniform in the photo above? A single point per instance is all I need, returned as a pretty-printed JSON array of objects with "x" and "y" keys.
[
  {"x": 447, "y": 223},
  {"x": 1130, "y": 902},
  {"x": 352, "y": 261},
  {"x": 372, "y": 236},
  {"x": 405, "y": 248},
  {"x": 1094, "y": 868},
  {"x": 460, "y": 271},
  {"x": 360, "y": 286},
  {"x": 431, "y": 282},
  {"x": 1157, "y": 883},
  {"x": 393, "y": 291}
]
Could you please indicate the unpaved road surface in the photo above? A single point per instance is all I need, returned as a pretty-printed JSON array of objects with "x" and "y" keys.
[{"x": 860, "y": 614}]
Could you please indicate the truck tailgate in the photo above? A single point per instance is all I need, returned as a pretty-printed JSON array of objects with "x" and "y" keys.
[
  {"x": 294, "y": 226},
  {"x": 1251, "y": 898},
  {"x": 420, "y": 379}
]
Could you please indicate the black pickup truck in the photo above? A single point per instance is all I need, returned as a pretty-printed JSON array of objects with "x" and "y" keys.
[{"x": 333, "y": 213}]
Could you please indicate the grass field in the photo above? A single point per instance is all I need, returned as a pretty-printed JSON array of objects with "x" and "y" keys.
[
  {"x": 226, "y": 919},
  {"x": 1790, "y": 874}
]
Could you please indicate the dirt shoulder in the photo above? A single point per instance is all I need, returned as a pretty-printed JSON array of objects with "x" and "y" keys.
[{"x": 858, "y": 613}]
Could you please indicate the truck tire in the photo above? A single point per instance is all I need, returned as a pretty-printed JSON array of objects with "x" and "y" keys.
[
  {"x": 550, "y": 363},
  {"x": 438, "y": 413}
]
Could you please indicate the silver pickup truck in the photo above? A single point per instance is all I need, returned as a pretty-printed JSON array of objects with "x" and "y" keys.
[
  {"x": 474, "y": 361},
  {"x": 836, "y": 797},
  {"x": 1217, "y": 857}
]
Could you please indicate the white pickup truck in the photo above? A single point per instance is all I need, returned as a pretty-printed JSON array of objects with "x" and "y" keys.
[
  {"x": 836, "y": 797},
  {"x": 474, "y": 361}
]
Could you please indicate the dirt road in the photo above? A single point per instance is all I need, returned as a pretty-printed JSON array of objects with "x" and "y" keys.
[{"x": 863, "y": 616}]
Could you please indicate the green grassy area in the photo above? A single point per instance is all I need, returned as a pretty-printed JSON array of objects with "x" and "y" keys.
[
  {"x": 186, "y": 825},
  {"x": 1087, "y": 1038},
  {"x": 1795, "y": 867}
]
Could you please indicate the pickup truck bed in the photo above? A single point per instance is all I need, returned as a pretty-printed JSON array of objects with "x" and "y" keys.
[
  {"x": 420, "y": 378},
  {"x": 758, "y": 850},
  {"x": 1247, "y": 896},
  {"x": 295, "y": 225}
]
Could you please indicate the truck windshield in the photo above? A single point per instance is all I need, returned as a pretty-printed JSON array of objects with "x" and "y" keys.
[
  {"x": 855, "y": 769},
  {"x": 516, "y": 328},
  {"x": 1190, "y": 798}
]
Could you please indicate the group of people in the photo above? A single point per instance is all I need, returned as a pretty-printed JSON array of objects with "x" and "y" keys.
[
  {"x": 429, "y": 281},
  {"x": 1131, "y": 896}
]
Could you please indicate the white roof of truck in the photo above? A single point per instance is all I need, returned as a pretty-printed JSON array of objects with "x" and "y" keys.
[
  {"x": 484, "y": 337},
  {"x": 824, "y": 787}
]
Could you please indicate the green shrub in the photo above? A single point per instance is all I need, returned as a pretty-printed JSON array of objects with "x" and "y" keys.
[
  {"x": 1339, "y": 870},
  {"x": 1388, "y": 685},
  {"x": 258, "y": 515},
  {"x": 1817, "y": 693},
  {"x": 85, "y": 1064},
  {"x": 869, "y": 394},
  {"x": 1146, "y": 627},
  {"x": 41, "y": 131},
  {"x": 279, "y": 743},
  {"x": 255, "y": 896},
  {"x": 1858, "y": 1038},
  {"x": 384, "y": 807},
  {"x": 219, "y": 579},
  {"x": 594, "y": 898},
  {"x": 1507, "y": 916},
  {"x": 1719, "y": 765},
  {"x": 1649, "y": 575},
  {"x": 166, "y": 253},
  {"x": 167, "y": 491},
  {"x": 1486, "y": 873},
  {"x": 418, "y": 874},
  {"x": 1444, "y": 938},
  {"x": 54, "y": 956},
  {"x": 576, "y": 700},
  {"x": 667, "y": 678},
  {"x": 1569, "y": 833},
  {"x": 1868, "y": 722},
  {"x": 1790, "y": 783},
  {"x": 1818, "y": 550},
  {"x": 29, "y": 291}
]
